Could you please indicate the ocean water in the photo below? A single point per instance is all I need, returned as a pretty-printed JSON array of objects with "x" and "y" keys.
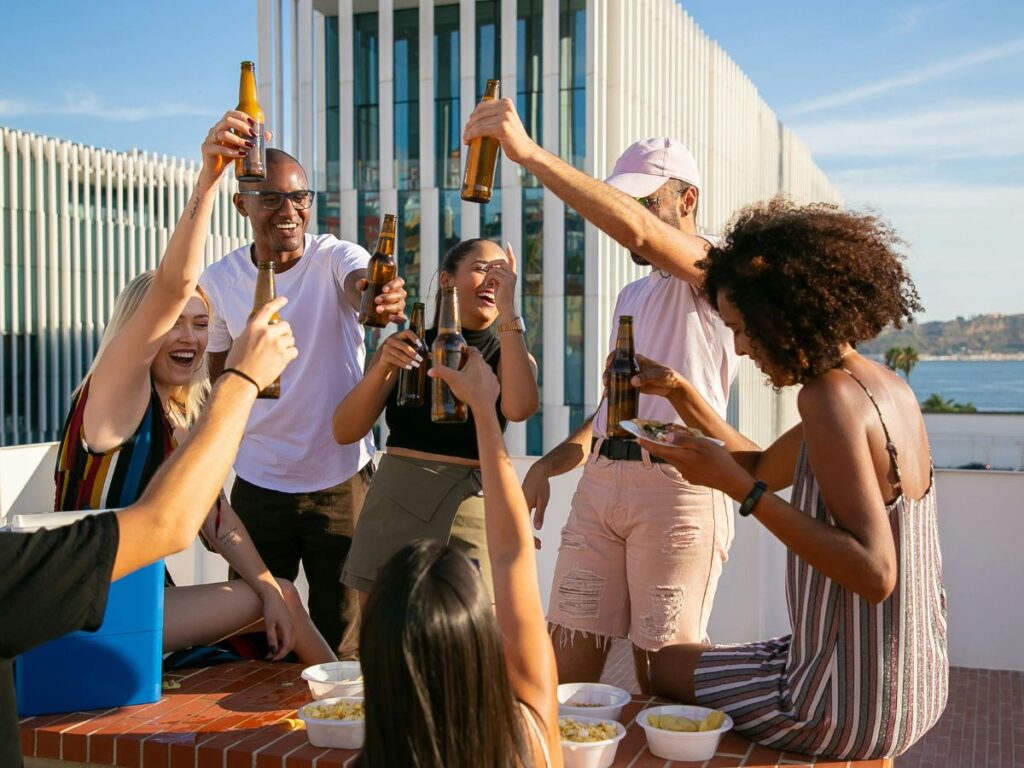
[{"x": 992, "y": 385}]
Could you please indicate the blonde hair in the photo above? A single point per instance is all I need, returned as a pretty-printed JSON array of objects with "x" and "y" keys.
[{"x": 186, "y": 401}]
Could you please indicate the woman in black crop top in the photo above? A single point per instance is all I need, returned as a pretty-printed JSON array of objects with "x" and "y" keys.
[{"x": 428, "y": 484}]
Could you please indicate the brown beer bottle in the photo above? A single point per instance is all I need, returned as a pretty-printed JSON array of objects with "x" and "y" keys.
[
  {"x": 482, "y": 159},
  {"x": 411, "y": 383},
  {"x": 253, "y": 165},
  {"x": 265, "y": 293},
  {"x": 623, "y": 397},
  {"x": 449, "y": 349},
  {"x": 379, "y": 272}
]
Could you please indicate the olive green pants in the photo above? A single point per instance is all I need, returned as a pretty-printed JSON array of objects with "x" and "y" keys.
[{"x": 413, "y": 499}]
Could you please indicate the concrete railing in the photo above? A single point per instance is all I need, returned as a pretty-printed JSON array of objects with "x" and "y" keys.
[
  {"x": 981, "y": 521},
  {"x": 996, "y": 439}
]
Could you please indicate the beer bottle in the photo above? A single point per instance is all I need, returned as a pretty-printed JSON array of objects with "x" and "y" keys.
[
  {"x": 482, "y": 159},
  {"x": 623, "y": 397},
  {"x": 379, "y": 272},
  {"x": 253, "y": 165},
  {"x": 411, "y": 382},
  {"x": 449, "y": 349},
  {"x": 265, "y": 293}
]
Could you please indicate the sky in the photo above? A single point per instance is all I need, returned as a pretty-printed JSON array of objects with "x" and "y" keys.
[{"x": 915, "y": 109}]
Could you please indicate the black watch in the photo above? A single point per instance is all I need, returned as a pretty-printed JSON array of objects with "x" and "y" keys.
[{"x": 760, "y": 486}]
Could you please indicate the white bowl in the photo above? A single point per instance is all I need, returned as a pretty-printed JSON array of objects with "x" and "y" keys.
[
  {"x": 334, "y": 734},
  {"x": 335, "y": 678},
  {"x": 675, "y": 745},
  {"x": 592, "y": 754},
  {"x": 606, "y": 701}
]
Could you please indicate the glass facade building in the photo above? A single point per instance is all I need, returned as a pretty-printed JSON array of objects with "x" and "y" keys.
[{"x": 378, "y": 91}]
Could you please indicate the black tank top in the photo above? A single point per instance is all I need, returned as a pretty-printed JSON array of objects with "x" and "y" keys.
[{"x": 412, "y": 428}]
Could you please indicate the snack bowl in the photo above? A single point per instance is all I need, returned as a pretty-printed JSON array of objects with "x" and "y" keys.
[
  {"x": 333, "y": 733},
  {"x": 591, "y": 700},
  {"x": 590, "y": 754},
  {"x": 335, "y": 678},
  {"x": 682, "y": 745}
]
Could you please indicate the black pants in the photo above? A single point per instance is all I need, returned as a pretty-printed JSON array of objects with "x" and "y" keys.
[{"x": 315, "y": 529}]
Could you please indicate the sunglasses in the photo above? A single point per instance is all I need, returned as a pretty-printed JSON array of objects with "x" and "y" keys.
[{"x": 301, "y": 199}]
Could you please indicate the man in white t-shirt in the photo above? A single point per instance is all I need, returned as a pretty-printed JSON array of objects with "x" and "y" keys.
[
  {"x": 298, "y": 492},
  {"x": 642, "y": 549}
]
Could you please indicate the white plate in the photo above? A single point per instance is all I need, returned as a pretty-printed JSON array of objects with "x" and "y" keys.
[{"x": 635, "y": 429}]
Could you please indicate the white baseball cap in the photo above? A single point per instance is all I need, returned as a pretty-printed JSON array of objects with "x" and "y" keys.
[{"x": 645, "y": 166}]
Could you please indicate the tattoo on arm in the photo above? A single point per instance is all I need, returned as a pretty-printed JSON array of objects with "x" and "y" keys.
[
  {"x": 229, "y": 538},
  {"x": 195, "y": 207}
]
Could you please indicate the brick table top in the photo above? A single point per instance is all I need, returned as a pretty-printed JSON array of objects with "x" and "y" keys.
[{"x": 236, "y": 715}]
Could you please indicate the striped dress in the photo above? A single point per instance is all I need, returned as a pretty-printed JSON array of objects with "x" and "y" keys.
[
  {"x": 116, "y": 478},
  {"x": 854, "y": 680}
]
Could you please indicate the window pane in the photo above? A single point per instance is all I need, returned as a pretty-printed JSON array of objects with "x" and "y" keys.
[
  {"x": 409, "y": 244},
  {"x": 407, "y": 95},
  {"x": 448, "y": 121}
]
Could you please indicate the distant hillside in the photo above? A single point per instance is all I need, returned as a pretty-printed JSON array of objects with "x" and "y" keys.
[{"x": 979, "y": 335}]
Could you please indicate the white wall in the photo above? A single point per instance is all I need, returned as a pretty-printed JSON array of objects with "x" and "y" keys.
[
  {"x": 981, "y": 523},
  {"x": 996, "y": 439}
]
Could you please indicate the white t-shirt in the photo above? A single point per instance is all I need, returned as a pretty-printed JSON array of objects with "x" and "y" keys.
[
  {"x": 288, "y": 445},
  {"x": 674, "y": 324}
]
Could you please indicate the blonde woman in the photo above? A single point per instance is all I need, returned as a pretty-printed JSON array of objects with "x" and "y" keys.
[{"x": 143, "y": 390}]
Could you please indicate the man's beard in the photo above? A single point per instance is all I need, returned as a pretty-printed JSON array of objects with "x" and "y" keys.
[{"x": 639, "y": 260}]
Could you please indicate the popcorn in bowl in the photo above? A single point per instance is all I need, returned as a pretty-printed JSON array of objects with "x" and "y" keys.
[{"x": 580, "y": 732}]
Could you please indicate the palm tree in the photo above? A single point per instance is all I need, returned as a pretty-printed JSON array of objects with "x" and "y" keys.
[
  {"x": 908, "y": 361},
  {"x": 902, "y": 359},
  {"x": 892, "y": 357}
]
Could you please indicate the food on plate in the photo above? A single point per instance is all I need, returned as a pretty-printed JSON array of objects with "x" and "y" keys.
[
  {"x": 342, "y": 710},
  {"x": 583, "y": 704},
  {"x": 660, "y": 430},
  {"x": 573, "y": 730},
  {"x": 655, "y": 430}
]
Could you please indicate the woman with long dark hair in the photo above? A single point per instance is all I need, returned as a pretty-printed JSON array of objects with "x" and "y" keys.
[
  {"x": 864, "y": 673},
  {"x": 428, "y": 484},
  {"x": 452, "y": 682}
]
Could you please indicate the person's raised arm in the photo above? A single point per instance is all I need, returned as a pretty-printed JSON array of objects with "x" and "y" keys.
[
  {"x": 178, "y": 498},
  {"x": 356, "y": 414},
  {"x": 517, "y": 370},
  {"x": 120, "y": 389},
  {"x": 614, "y": 212},
  {"x": 528, "y": 652}
]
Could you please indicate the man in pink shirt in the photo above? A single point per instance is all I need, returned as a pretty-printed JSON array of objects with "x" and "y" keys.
[{"x": 642, "y": 549}]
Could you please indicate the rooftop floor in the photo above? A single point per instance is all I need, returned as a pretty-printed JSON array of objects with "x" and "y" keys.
[{"x": 982, "y": 727}]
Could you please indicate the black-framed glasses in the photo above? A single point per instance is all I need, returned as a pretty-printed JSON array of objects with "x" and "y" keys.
[{"x": 272, "y": 200}]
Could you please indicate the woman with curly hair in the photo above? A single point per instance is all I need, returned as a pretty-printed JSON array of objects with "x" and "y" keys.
[{"x": 864, "y": 673}]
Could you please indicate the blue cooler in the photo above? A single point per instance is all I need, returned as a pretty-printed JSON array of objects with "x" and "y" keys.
[{"x": 117, "y": 665}]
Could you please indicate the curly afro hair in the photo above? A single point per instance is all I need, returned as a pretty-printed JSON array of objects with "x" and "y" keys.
[{"x": 809, "y": 279}]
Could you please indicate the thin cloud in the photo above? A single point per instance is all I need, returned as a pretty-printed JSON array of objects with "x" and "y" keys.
[
  {"x": 954, "y": 131},
  {"x": 90, "y": 105},
  {"x": 910, "y": 18},
  {"x": 963, "y": 236},
  {"x": 916, "y": 77}
]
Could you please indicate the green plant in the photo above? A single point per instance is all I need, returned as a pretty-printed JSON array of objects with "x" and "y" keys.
[{"x": 938, "y": 404}]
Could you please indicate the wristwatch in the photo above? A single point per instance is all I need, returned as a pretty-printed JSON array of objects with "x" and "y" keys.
[{"x": 515, "y": 324}]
